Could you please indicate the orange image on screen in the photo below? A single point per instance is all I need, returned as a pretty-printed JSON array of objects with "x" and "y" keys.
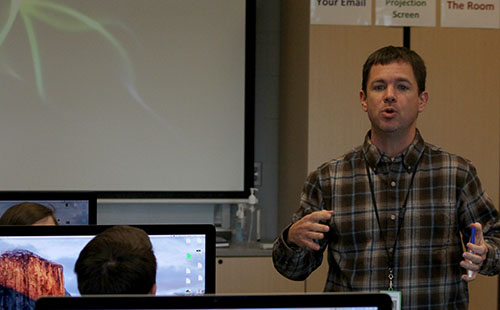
[{"x": 30, "y": 274}]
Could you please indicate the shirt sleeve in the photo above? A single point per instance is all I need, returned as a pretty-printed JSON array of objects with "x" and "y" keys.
[
  {"x": 291, "y": 261},
  {"x": 478, "y": 205}
]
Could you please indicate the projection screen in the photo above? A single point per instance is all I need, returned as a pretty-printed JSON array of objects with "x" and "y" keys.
[{"x": 130, "y": 98}]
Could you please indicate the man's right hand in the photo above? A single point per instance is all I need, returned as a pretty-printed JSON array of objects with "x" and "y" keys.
[{"x": 307, "y": 229}]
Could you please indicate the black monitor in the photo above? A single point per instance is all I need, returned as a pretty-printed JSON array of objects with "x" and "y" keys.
[
  {"x": 70, "y": 207},
  {"x": 325, "y": 301},
  {"x": 185, "y": 256}
]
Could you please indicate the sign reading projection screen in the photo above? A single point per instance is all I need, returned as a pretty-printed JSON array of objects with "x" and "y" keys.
[{"x": 122, "y": 95}]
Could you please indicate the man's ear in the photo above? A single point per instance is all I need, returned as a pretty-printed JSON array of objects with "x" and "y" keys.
[
  {"x": 362, "y": 99},
  {"x": 424, "y": 98},
  {"x": 153, "y": 290}
]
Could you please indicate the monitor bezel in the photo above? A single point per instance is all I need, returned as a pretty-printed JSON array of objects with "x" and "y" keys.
[
  {"x": 89, "y": 196},
  {"x": 296, "y": 301},
  {"x": 162, "y": 229}
]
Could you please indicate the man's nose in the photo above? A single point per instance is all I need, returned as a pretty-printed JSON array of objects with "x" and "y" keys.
[{"x": 390, "y": 95}]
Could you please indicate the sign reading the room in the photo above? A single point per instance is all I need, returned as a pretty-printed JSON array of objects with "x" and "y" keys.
[
  {"x": 406, "y": 13},
  {"x": 470, "y": 14},
  {"x": 341, "y": 12}
]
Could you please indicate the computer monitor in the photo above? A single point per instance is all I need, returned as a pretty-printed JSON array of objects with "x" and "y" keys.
[
  {"x": 325, "y": 301},
  {"x": 185, "y": 256},
  {"x": 70, "y": 208}
]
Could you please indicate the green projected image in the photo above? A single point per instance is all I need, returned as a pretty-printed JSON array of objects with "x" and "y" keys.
[{"x": 60, "y": 17}]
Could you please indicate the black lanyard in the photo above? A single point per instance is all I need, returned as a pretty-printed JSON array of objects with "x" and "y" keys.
[{"x": 401, "y": 217}]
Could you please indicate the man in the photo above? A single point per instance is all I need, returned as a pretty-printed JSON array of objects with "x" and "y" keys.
[
  {"x": 120, "y": 260},
  {"x": 392, "y": 212}
]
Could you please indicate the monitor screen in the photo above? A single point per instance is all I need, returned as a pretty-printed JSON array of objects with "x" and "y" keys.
[
  {"x": 325, "y": 301},
  {"x": 185, "y": 256},
  {"x": 70, "y": 208}
]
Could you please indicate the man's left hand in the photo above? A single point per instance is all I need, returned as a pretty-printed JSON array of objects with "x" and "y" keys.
[{"x": 475, "y": 255}]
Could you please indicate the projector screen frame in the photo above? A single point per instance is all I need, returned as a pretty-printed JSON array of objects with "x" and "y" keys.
[{"x": 240, "y": 171}]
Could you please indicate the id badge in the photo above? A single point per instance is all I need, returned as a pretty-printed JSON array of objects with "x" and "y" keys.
[{"x": 396, "y": 299}]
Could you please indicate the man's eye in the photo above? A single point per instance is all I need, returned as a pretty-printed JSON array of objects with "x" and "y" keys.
[
  {"x": 403, "y": 87},
  {"x": 378, "y": 87}
]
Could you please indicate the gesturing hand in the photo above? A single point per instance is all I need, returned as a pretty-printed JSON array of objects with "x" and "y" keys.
[
  {"x": 476, "y": 254},
  {"x": 307, "y": 229}
]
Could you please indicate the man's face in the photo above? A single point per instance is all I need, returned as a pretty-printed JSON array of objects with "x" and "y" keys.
[{"x": 392, "y": 100}]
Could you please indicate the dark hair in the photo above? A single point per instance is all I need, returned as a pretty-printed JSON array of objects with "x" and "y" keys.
[
  {"x": 390, "y": 54},
  {"x": 26, "y": 213},
  {"x": 120, "y": 260}
]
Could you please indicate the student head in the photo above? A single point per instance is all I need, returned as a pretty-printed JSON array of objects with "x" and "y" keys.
[
  {"x": 390, "y": 54},
  {"x": 28, "y": 213},
  {"x": 119, "y": 260}
]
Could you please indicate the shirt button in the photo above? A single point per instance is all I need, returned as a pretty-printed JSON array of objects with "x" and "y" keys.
[
  {"x": 393, "y": 183},
  {"x": 393, "y": 217}
]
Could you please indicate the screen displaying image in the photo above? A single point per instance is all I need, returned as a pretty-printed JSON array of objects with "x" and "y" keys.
[
  {"x": 67, "y": 212},
  {"x": 123, "y": 95},
  {"x": 35, "y": 266}
]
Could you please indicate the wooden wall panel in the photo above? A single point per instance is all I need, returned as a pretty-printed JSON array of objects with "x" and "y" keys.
[
  {"x": 294, "y": 77},
  {"x": 252, "y": 275}
]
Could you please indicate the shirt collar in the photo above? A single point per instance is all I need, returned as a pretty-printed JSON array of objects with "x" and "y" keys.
[{"x": 410, "y": 156}]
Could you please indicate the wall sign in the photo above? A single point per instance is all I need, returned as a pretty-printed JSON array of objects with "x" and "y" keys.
[
  {"x": 454, "y": 13},
  {"x": 341, "y": 12},
  {"x": 406, "y": 13},
  {"x": 470, "y": 14}
]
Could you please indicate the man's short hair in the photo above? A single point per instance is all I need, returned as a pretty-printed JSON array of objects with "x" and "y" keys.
[
  {"x": 120, "y": 260},
  {"x": 390, "y": 54}
]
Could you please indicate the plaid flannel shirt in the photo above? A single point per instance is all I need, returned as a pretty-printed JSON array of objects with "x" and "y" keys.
[{"x": 446, "y": 197}]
